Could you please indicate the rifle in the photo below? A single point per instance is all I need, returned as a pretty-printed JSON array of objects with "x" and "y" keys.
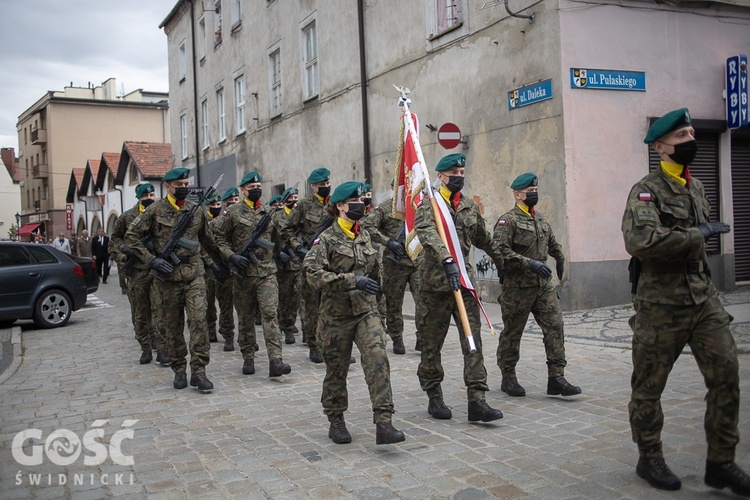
[
  {"x": 400, "y": 239},
  {"x": 129, "y": 260},
  {"x": 168, "y": 252}
]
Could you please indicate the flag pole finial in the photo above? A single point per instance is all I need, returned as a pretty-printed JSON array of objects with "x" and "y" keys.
[{"x": 403, "y": 101}]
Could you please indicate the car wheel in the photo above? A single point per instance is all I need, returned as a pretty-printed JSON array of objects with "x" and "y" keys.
[{"x": 52, "y": 309}]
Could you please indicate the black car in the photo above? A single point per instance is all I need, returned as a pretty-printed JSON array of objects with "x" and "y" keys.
[
  {"x": 39, "y": 282},
  {"x": 89, "y": 272}
]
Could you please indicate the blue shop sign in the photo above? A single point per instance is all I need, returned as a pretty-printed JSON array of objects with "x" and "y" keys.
[
  {"x": 607, "y": 79},
  {"x": 530, "y": 94}
]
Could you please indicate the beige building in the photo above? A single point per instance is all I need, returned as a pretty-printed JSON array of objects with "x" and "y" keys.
[{"x": 63, "y": 130}]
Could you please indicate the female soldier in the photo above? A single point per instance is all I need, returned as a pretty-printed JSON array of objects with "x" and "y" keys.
[{"x": 343, "y": 268}]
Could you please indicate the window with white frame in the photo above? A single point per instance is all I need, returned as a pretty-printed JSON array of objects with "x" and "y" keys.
[
  {"x": 220, "y": 113},
  {"x": 202, "y": 37},
  {"x": 448, "y": 13},
  {"x": 236, "y": 13},
  {"x": 204, "y": 123},
  {"x": 274, "y": 60},
  {"x": 310, "y": 60},
  {"x": 217, "y": 23},
  {"x": 182, "y": 60},
  {"x": 239, "y": 103},
  {"x": 183, "y": 135}
]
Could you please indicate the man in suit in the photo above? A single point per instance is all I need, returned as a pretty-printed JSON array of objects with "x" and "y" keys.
[
  {"x": 100, "y": 254},
  {"x": 83, "y": 245}
]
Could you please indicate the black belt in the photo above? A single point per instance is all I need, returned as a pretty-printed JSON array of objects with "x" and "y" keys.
[{"x": 673, "y": 267}]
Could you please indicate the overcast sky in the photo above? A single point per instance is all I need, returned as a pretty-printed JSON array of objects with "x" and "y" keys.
[{"x": 46, "y": 44}]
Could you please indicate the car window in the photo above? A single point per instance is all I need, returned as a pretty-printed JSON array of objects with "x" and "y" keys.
[
  {"x": 42, "y": 255},
  {"x": 13, "y": 256}
]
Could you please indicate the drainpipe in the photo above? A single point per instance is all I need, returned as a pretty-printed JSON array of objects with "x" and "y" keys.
[
  {"x": 363, "y": 84},
  {"x": 195, "y": 93},
  {"x": 122, "y": 203}
]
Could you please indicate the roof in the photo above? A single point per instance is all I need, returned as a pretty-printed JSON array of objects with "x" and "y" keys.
[
  {"x": 152, "y": 159},
  {"x": 74, "y": 185},
  {"x": 171, "y": 13},
  {"x": 109, "y": 162}
]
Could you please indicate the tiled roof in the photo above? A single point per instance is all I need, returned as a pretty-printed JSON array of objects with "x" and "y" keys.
[
  {"x": 111, "y": 160},
  {"x": 153, "y": 159},
  {"x": 78, "y": 173}
]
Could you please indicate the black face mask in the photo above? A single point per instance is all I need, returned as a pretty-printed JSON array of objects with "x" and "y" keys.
[
  {"x": 147, "y": 202},
  {"x": 229, "y": 204},
  {"x": 290, "y": 204},
  {"x": 455, "y": 183},
  {"x": 254, "y": 194},
  {"x": 532, "y": 197},
  {"x": 215, "y": 211},
  {"x": 323, "y": 192},
  {"x": 181, "y": 193},
  {"x": 367, "y": 201},
  {"x": 684, "y": 153},
  {"x": 356, "y": 211}
]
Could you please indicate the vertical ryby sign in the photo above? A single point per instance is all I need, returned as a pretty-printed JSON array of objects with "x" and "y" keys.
[{"x": 736, "y": 85}]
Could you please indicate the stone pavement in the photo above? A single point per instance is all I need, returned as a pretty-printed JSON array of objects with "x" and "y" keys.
[{"x": 255, "y": 437}]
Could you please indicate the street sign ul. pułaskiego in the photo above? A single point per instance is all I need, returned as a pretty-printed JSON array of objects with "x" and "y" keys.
[
  {"x": 530, "y": 94},
  {"x": 736, "y": 85},
  {"x": 607, "y": 79}
]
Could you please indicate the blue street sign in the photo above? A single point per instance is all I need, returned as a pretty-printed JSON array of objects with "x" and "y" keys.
[
  {"x": 530, "y": 94},
  {"x": 607, "y": 79},
  {"x": 736, "y": 85}
]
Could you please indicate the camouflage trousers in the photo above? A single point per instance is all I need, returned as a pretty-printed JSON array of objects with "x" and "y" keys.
[
  {"x": 290, "y": 283},
  {"x": 122, "y": 278},
  {"x": 181, "y": 298},
  {"x": 145, "y": 310},
  {"x": 395, "y": 278},
  {"x": 310, "y": 314},
  {"x": 336, "y": 336},
  {"x": 433, "y": 328},
  {"x": 660, "y": 332},
  {"x": 211, "y": 316},
  {"x": 250, "y": 294},
  {"x": 226, "y": 309},
  {"x": 516, "y": 305}
]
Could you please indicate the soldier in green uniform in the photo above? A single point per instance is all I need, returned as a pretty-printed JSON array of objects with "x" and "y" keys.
[
  {"x": 255, "y": 284},
  {"x": 343, "y": 267},
  {"x": 224, "y": 290},
  {"x": 226, "y": 324},
  {"x": 398, "y": 270},
  {"x": 304, "y": 220},
  {"x": 290, "y": 276},
  {"x": 143, "y": 293},
  {"x": 525, "y": 240},
  {"x": 440, "y": 276},
  {"x": 183, "y": 290},
  {"x": 665, "y": 227}
]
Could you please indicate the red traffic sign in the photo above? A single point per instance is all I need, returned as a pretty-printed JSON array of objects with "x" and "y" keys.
[{"x": 449, "y": 136}]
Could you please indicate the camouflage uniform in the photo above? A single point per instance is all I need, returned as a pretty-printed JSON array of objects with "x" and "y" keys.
[
  {"x": 521, "y": 238},
  {"x": 437, "y": 298},
  {"x": 256, "y": 286},
  {"x": 348, "y": 316},
  {"x": 291, "y": 281},
  {"x": 184, "y": 289},
  {"x": 218, "y": 291},
  {"x": 382, "y": 227},
  {"x": 143, "y": 293},
  {"x": 676, "y": 304}
]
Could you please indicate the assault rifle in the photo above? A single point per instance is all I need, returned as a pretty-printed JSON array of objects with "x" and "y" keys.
[
  {"x": 400, "y": 239},
  {"x": 176, "y": 240}
]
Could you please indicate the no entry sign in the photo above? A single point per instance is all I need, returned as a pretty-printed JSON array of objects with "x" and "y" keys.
[{"x": 449, "y": 136}]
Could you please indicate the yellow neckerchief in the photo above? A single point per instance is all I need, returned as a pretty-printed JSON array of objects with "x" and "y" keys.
[
  {"x": 346, "y": 226},
  {"x": 674, "y": 171},
  {"x": 287, "y": 210},
  {"x": 173, "y": 201},
  {"x": 209, "y": 214},
  {"x": 250, "y": 203},
  {"x": 320, "y": 198},
  {"x": 446, "y": 194},
  {"x": 141, "y": 208},
  {"x": 524, "y": 209}
]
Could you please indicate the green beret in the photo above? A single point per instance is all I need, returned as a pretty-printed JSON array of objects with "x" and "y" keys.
[
  {"x": 319, "y": 175},
  {"x": 366, "y": 188},
  {"x": 524, "y": 180},
  {"x": 144, "y": 189},
  {"x": 673, "y": 120},
  {"x": 274, "y": 199},
  {"x": 450, "y": 161},
  {"x": 214, "y": 198},
  {"x": 251, "y": 177},
  {"x": 230, "y": 193},
  {"x": 351, "y": 189},
  {"x": 176, "y": 174},
  {"x": 288, "y": 190}
]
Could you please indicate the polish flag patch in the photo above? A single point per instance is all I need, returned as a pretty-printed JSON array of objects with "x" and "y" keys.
[
  {"x": 645, "y": 197},
  {"x": 317, "y": 240},
  {"x": 501, "y": 222}
]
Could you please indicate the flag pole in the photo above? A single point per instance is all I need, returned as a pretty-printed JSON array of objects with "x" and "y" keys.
[{"x": 405, "y": 103}]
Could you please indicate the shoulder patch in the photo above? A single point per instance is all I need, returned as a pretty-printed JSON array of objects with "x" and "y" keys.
[
  {"x": 644, "y": 196},
  {"x": 317, "y": 240},
  {"x": 501, "y": 222}
]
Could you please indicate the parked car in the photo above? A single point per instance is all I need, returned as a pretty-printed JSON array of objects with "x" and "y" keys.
[
  {"x": 39, "y": 282},
  {"x": 89, "y": 272}
]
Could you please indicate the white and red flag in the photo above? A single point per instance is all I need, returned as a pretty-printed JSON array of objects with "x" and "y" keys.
[{"x": 409, "y": 184}]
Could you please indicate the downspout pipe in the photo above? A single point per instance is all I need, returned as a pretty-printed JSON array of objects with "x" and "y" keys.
[
  {"x": 363, "y": 85},
  {"x": 531, "y": 17},
  {"x": 122, "y": 202},
  {"x": 195, "y": 94}
]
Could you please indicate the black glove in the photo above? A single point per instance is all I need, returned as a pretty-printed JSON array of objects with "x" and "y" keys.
[
  {"x": 541, "y": 268},
  {"x": 395, "y": 247},
  {"x": 161, "y": 265},
  {"x": 284, "y": 258},
  {"x": 452, "y": 273},
  {"x": 220, "y": 272},
  {"x": 366, "y": 284},
  {"x": 239, "y": 261},
  {"x": 711, "y": 229},
  {"x": 501, "y": 273},
  {"x": 301, "y": 251},
  {"x": 560, "y": 269},
  {"x": 125, "y": 250}
]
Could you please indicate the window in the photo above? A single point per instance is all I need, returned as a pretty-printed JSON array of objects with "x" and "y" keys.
[
  {"x": 202, "y": 37},
  {"x": 134, "y": 177},
  {"x": 204, "y": 122},
  {"x": 275, "y": 80},
  {"x": 217, "y": 23},
  {"x": 41, "y": 254},
  {"x": 46, "y": 191},
  {"x": 183, "y": 135},
  {"x": 13, "y": 256},
  {"x": 25, "y": 136},
  {"x": 447, "y": 14},
  {"x": 239, "y": 102},
  {"x": 310, "y": 59},
  {"x": 220, "y": 111},
  {"x": 236, "y": 14},
  {"x": 182, "y": 61}
]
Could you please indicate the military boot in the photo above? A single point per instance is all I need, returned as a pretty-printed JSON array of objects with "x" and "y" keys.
[
  {"x": 385, "y": 433},
  {"x": 248, "y": 368},
  {"x": 228, "y": 345},
  {"x": 480, "y": 410},
  {"x": 511, "y": 387},
  {"x": 200, "y": 381},
  {"x": 338, "y": 432},
  {"x": 558, "y": 386},
  {"x": 294, "y": 329},
  {"x": 256, "y": 347},
  {"x": 180, "y": 380},
  {"x": 437, "y": 409},
  {"x": 277, "y": 368},
  {"x": 398, "y": 347},
  {"x": 146, "y": 357},
  {"x": 289, "y": 337},
  {"x": 212, "y": 337},
  {"x": 657, "y": 473},
  {"x": 417, "y": 346},
  {"x": 315, "y": 355},
  {"x": 162, "y": 357},
  {"x": 718, "y": 475}
]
